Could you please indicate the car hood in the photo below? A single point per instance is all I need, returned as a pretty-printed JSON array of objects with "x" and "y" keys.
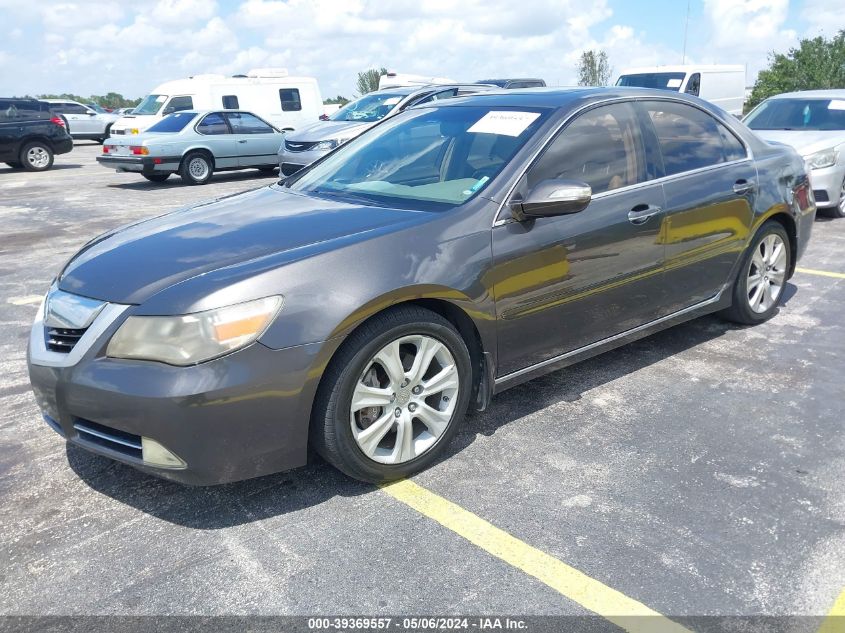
[
  {"x": 326, "y": 130},
  {"x": 131, "y": 264},
  {"x": 804, "y": 142}
]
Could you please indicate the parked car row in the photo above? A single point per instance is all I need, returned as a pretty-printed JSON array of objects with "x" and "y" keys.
[{"x": 31, "y": 134}]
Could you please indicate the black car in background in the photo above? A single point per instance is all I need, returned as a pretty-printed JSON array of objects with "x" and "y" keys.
[{"x": 30, "y": 134}]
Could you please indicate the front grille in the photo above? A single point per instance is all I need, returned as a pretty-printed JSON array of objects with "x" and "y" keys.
[
  {"x": 289, "y": 169},
  {"x": 61, "y": 339},
  {"x": 292, "y": 146},
  {"x": 820, "y": 195},
  {"x": 119, "y": 441}
]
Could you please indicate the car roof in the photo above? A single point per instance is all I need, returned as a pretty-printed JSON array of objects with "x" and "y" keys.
[
  {"x": 507, "y": 79},
  {"x": 812, "y": 94},
  {"x": 558, "y": 97}
]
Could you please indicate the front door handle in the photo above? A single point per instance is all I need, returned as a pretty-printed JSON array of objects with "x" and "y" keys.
[
  {"x": 743, "y": 186},
  {"x": 243, "y": 140},
  {"x": 642, "y": 212}
]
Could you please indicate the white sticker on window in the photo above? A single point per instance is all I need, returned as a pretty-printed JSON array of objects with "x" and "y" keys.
[
  {"x": 392, "y": 101},
  {"x": 504, "y": 122},
  {"x": 836, "y": 104},
  {"x": 674, "y": 83}
]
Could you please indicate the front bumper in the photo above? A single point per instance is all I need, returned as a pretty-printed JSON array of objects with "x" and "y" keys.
[
  {"x": 141, "y": 164},
  {"x": 240, "y": 416},
  {"x": 827, "y": 185},
  {"x": 291, "y": 162}
]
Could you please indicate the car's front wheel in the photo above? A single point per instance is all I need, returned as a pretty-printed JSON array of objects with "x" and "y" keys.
[
  {"x": 36, "y": 156},
  {"x": 196, "y": 168},
  {"x": 394, "y": 396},
  {"x": 839, "y": 210},
  {"x": 762, "y": 276}
]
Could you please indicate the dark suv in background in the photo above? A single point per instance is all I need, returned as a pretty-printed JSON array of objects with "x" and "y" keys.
[{"x": 30, "y": 134}]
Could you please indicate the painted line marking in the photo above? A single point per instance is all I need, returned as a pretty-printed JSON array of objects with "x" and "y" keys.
[
  {"x": 25, "y": 301},
  {"x": 835, "y": 620},
  {"x": 823, "y": 273},
  {"x": 616, "y": 607}
]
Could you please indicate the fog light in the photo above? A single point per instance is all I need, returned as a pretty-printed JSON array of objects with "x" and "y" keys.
[{"x": 155, "y": 454}]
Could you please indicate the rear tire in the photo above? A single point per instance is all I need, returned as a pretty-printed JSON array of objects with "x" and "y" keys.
[
  {"x": 196, "y": 168},
  {"x": 37, "y": 156},
  {"x": 156, "y": 177},
  {"x": 102, "y": 139},
  {"x": 762, "y": 276},
  {"x": 422, "y": 402}
]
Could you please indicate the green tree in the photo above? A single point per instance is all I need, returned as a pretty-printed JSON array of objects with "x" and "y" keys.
[
  {"x": 368, "y": 80},
  {"x": 593, "y": 69},
  {"x": 339, "y": 99},
  {"x": 817, "y": 63}
]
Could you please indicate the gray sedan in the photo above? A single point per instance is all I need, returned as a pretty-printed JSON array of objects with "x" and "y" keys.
[{"x": 195, "y": 145}]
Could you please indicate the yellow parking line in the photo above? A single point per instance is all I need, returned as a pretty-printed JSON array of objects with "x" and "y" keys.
[
  {"x": 835, "y": 620},
  {"x": 575, "y": 585},
  {"x": 823, "y": 273}
]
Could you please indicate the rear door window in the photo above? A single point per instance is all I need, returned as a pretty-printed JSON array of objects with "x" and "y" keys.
[
  {"x": 213, "y": 124},
  {"x": 290, "y": 99},
  {"x": 246, "y": 123},
  {"x": 230, "y": 102},
  {"x": 690, "y": 138}
]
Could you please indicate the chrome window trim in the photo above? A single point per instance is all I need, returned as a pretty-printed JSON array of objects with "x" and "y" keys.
[
  {"x": 499, "y": 221},
  {"x": 40, "y": 355}
]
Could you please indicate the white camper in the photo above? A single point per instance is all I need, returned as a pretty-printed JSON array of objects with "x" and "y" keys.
[
  {"x": 286, "y": 102},
  {"x": 404, "y": 80},
  {"x": 723, "y": 86}
]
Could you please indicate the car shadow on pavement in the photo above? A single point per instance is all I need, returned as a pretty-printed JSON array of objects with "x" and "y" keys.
[
  {"x": 228, "y": 505},
  {"x": 142, "y": 184},
  {"x": 56, "y": 166}
]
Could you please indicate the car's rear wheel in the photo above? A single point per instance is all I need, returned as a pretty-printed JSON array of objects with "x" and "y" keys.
[
  {"x": 102, "y": 139},
  {"x": 196, "y": 168},
  {"x": 156, "y": 177},
  {"x": 762, "y": 276},
  {"x": 36, "y": 156},
  {"x": 394, "y": 396}
]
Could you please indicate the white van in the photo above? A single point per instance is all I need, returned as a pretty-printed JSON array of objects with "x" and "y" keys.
[
  {"x": 723, "y": 86},
  {"x": 405, "y": 80},
  {"x": 286, "y": 102}
]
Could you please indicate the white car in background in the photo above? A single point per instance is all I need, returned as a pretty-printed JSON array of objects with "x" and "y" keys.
[
  {"x": 81, "y": 121},
  {"x": 813, "y": 122}
]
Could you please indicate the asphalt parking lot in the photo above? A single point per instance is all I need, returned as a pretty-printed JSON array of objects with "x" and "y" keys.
[{"x": 697, "y": 472}]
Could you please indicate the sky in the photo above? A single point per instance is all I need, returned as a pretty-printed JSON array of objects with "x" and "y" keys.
[{"x": 129, "y": 46}]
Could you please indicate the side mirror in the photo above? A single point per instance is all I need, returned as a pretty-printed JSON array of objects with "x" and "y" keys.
[
  {"x": 168, "y": 110},
  {"x": 91, "y": 113},
  {"x": 553, "y": 197}
]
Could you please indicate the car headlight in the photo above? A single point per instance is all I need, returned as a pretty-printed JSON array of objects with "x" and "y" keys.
[
  {"x": 331, "y": 143},
  {"x": 189, "y": 339},
  {"x": 822, "y": 159}
]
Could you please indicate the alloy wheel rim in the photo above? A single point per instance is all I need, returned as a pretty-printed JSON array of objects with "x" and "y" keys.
[
  {"x": 198, "y": 168},
  {"x": 766, "y": 273},
  {"x": 38, "y": 157},
  {"x": 842, "y": 198},
  {"x": 404, "y": 400}
]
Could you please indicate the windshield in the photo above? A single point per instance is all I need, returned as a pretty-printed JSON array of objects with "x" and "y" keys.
[
  {"x": 150, "y": 105},
  {"x": 173, "y": 122},
  {"x": 432, "y": 158},
  {"x": 661, "y": 81},
  {"x": 798, "y": 114},
  {"x": 368, "y": 109}
]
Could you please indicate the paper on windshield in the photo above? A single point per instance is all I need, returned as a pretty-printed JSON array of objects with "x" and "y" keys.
[
  {"x": 836, "y": 104},
  {"x": 674, "y": 83},
  {"x": 504, "y": 122},
  {"x": 392, "y": 101},
  {"x": 160, "y": 98}
]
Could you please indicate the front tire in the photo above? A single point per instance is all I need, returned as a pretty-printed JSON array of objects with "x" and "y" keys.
[
  {"x": 839, "y": 210},
  {"x": 762, "y": 276},
  {"x": 394, "y": 396},
  {"x": 196, "y": 168},
  {"x": 156, "y": 177},
  {"x": 36, "y": 156}
]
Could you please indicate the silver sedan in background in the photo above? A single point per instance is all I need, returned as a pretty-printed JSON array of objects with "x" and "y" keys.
[
  {"x": 813, "y": 122},
  {"x": 309, "y": 143},
  {"x": 195, "y": 145}
]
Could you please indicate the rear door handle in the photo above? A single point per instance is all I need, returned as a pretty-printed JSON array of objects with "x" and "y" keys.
[
  {"x": 743, "y": 186},
  {"x": 642, "y": 212}
]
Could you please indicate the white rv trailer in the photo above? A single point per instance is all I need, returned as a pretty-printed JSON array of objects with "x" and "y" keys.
[
  {"x": 402, "y": 80},
  {"x": 286, "y": 102},
  {"x": 722, "y": 85}
]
